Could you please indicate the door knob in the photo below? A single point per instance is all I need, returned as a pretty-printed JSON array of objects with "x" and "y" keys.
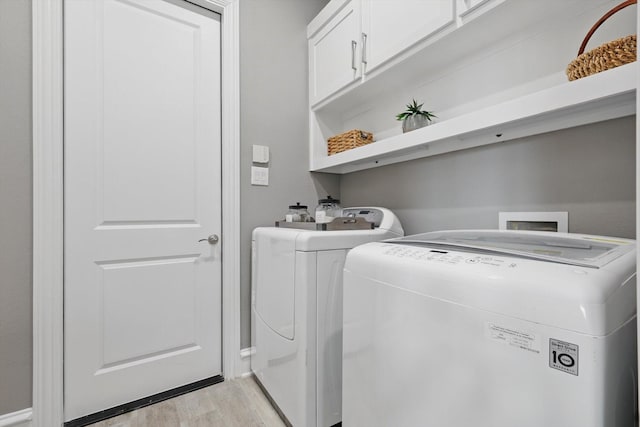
[{"x": 213, "y": 239}]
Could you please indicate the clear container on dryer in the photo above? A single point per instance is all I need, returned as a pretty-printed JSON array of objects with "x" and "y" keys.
[
  {"x": 327, "y": 210},
  {"x": 298, "y": 213}
]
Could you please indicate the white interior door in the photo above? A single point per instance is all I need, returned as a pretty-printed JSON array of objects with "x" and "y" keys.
[{"x": 142, "y": 186}]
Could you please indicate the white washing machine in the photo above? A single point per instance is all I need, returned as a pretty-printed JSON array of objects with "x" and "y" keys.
[
  {"x": 296, "y": 314},
  {"x": 490, "y": 329}
]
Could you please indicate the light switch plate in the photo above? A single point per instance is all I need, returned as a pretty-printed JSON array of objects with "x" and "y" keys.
[
  {"x": 260, "y": 154},
  {"x": 259, "y": 175}
]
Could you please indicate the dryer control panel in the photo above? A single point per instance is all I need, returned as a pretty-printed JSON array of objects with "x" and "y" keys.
[{"x": 373, "y": 215}]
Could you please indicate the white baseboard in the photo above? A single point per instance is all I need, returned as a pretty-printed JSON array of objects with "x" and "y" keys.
[
  {"x": 17, "y": 419},
  {"x": 245, "y": 362}
]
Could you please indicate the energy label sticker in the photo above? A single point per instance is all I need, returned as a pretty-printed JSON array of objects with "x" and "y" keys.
[
  {"x": 563, "y": 356},
  {"x": 523, "y": 340}
]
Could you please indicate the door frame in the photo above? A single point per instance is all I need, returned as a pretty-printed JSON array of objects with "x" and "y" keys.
[{"x": 48, "y": 220}]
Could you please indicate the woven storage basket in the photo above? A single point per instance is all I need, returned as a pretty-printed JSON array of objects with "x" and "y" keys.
[
  {"x": 348, "y": 140},
  {"x": 609, "y": 55}
]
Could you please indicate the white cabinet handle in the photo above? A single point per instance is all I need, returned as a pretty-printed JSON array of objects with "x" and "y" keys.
[
  {"x": 364, "y": 48},
  {"x": 354, "y": 44}
]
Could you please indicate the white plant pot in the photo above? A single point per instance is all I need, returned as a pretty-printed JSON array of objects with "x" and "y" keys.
[{"x": 414, "y": 122}]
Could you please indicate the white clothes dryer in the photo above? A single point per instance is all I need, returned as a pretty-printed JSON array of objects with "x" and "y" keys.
[
  {"x": 296, "y": 302},
  {"x": 491, "y": 329}
]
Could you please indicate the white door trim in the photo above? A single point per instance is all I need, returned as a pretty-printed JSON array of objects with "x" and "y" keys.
[{"x": 48, "y": 221}]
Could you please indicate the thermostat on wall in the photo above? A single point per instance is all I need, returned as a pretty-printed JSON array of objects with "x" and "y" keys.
[{"x": 534, "y": 221}]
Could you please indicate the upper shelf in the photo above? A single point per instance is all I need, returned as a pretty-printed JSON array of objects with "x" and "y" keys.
[{"x": 603, "y": 96}]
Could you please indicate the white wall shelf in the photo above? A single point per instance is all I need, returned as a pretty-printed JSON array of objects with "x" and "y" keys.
[{"x": 600, "y": 97}]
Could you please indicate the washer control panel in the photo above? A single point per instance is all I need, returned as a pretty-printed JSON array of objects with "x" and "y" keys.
[{"x": 435, "y": 255}]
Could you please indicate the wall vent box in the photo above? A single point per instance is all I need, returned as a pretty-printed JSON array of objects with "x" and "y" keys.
[{"x": 534, "y": 221}]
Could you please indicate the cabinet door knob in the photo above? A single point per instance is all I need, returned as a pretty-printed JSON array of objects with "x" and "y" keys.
[{"x": 354, "y": 44}]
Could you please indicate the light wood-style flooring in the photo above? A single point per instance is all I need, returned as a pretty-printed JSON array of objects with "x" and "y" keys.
[{"x": 233, "y": 403}]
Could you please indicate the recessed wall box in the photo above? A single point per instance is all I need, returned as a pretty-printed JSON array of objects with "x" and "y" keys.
[{"x": 534, "y": 221}]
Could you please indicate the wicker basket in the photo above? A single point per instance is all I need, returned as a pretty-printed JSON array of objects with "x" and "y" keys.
[
  {"x": 348, "y": 140},
  {"x": 609, "y": 55}
]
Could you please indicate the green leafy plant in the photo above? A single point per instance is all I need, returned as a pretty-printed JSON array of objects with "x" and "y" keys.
[{"x": 414, "y": 109}]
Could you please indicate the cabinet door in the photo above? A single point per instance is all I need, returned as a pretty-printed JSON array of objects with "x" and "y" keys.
[
  {"x": 390, "y": 26},
  {"x": 334, "y": 53}
]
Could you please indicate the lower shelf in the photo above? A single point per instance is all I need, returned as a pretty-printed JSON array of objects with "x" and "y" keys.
[{"x": 604, "y": 96}]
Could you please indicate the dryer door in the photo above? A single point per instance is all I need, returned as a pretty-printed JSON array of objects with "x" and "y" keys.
[{"x": 273, "y": 278}]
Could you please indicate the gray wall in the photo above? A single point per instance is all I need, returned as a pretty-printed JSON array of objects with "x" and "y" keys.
[
  {"x": 274, "y": 112},
  {"x": 588, "y": 171},
  {"x": 15, "y": 205}
]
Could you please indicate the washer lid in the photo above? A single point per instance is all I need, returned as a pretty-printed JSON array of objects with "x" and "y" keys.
[{"x": 564, "y": 248}]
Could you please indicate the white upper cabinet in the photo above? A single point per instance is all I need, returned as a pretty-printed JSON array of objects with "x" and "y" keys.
[
  {"x": 335, "y": 52},
  {"x": 350, "y": 38},
  {"x": 389, "y": 26}
]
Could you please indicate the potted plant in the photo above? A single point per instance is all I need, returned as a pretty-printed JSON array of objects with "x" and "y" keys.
[{"x": 414, "y": 117}]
